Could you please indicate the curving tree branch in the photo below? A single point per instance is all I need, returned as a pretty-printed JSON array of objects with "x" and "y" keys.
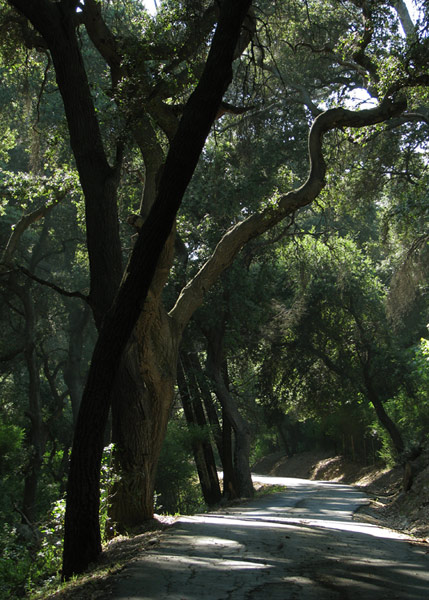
[{"x": 235, "y": 238}]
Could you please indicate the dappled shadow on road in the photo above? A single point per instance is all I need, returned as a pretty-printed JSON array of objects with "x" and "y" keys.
[{"x": 284, "y": 547}]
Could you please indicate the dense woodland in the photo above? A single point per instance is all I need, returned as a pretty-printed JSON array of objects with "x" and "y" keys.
[{"x": 189, "y": 278}]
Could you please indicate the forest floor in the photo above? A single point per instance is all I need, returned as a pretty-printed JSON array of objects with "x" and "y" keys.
[{"x": 390, "y": 507}]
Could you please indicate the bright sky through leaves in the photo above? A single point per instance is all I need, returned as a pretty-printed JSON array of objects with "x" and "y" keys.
[
  {"x": 151, "y": 6},
  {"x": 411, "y": 4}
]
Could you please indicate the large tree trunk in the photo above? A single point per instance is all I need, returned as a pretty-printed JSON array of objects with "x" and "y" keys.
[
  {"x": 82, "y": 541},
  {"x": 56, "y": 22},
  {"x": 142, "y": 400},
  {"x": 98, "y": 179},
  {"x": 137, "y": 432}
]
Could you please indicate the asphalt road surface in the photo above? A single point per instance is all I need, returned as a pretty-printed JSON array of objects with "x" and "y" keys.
[{"x": 301, "y": 544}]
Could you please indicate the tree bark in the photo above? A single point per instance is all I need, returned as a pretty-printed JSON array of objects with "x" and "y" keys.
[
  {"x": 36, "y": 441},
  {"x": 230, "y": 484},
  {"x": 217, "y": 368},
  {"x": 56, "y": 22},
  {"x": 404, "y": 17},
  {"x": 202, "y": 449},
  {"x": 382, "y": 416},
  {"x": 82, "y": 542},
  {"x": 141, "y": 402},
  {"x": 72, "y": 372}
]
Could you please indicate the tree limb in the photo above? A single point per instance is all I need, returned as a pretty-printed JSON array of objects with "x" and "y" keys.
[
  {"x": 359, "y": 55},
  {"x": 226, "y": 108},
  {"x": 23, "y": 224},
  {"x": 103, "y": 39},
  {"x": 404, "y": 17},
  {"x": 234, "y": 239},
  {"x": 53, "y": 286}
]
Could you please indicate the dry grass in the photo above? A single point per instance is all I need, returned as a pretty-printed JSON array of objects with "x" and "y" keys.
[{"x": 97, "y": 582}]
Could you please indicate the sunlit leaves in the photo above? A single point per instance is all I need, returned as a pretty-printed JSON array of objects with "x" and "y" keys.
[{"x": 26, "y": 189}]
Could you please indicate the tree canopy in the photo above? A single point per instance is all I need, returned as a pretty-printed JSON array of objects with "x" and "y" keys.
[{"x": 236, "y": 188}]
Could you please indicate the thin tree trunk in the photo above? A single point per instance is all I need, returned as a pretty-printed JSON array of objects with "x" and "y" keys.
[
  {"x": 72, "y": 372},
  {"x": 35, "y": 435},
  {"x": 387, "y": 423},
  {"x": 222, "y": 433},
  {"x": 202, "y": 450},
  {"x": 230, "y": 484},
  {"x": 218, "y": 370},
  {"x": 208, "y": 451},
  {"x": 382, "y": 416},
  {"x": 282, "y": 430},
  {"x": 205, "y": 393}
]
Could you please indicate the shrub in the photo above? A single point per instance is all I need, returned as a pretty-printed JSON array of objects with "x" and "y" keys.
[{"x": 177, "y": 487}]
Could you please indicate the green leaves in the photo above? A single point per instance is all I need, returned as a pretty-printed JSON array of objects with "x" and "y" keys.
[
  {"x": 28, "y": 190},
  {"x": 11, "y": 448}
]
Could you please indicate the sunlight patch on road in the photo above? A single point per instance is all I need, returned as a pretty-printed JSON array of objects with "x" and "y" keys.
[
  {"x": 217, "y": 541},
  {"x": 291, "y": 523},
  {"x": 354, "y": 527},
  {"x": 174, "y": 561}
]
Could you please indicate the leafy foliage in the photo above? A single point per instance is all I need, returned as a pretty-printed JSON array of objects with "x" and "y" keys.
[
  {"x": 176, "y": 486},
  {"x": 319, "y": 312}
]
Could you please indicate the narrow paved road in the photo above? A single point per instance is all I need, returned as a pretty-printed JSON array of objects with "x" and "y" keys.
[{"x": 301, "y": 544}]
